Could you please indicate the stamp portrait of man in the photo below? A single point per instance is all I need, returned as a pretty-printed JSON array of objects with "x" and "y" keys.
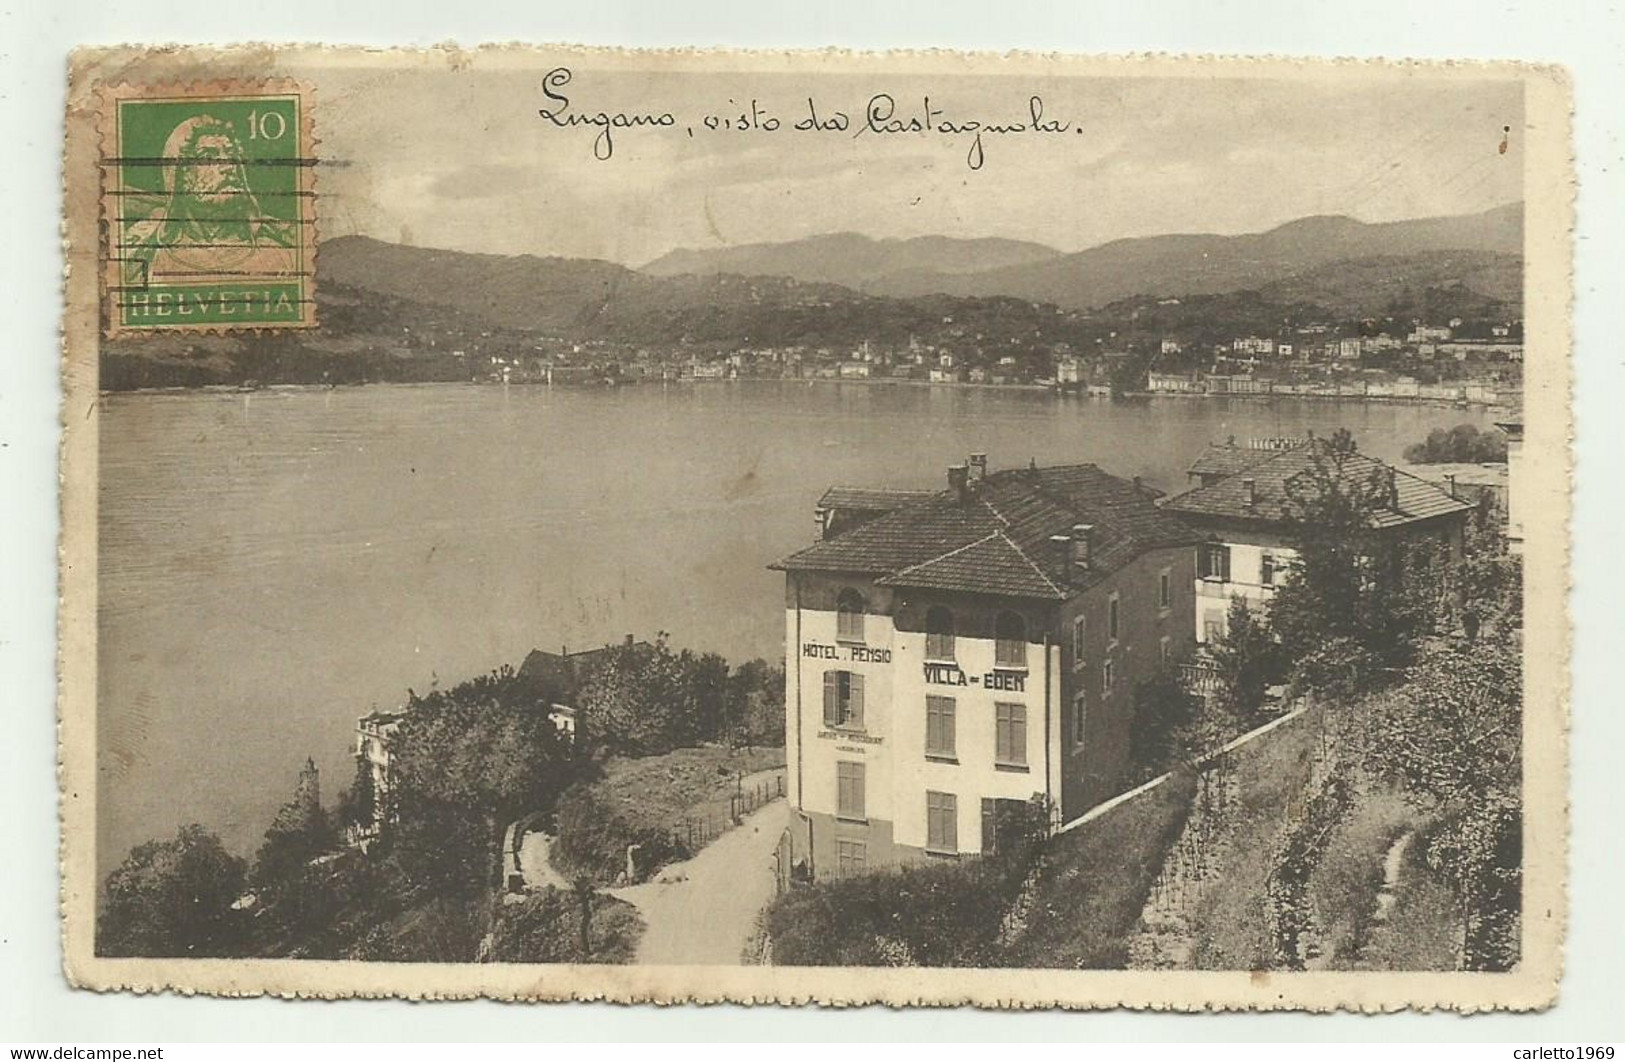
[{"x": 209, "y": 223}]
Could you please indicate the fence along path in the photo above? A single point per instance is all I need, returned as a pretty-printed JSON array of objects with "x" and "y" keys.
[{"x": 699, "y": 830}]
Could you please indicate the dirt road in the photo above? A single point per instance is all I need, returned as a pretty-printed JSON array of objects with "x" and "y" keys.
[
  {"x": 703, "y": 912},
  {"x": 534, "y": 862}
]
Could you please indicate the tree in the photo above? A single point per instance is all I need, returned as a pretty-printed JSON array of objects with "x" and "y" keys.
[
  {"x": 1247, "y": 658},
  {"x": 323, "y": 910},
  {"x": 441, "y": 850},
  {"x": 594, "y": 838},
  {"x": 755, "y": 704},
  {"x": 173, "y": 898},
  {"x": 1130, "y": 374},
  {"x": 358, "y": 805},
  {"x": 1163, "y": 715},
  {"x": 300, "y": 832},
  {"x": 1463, "y": 443},
  {"x": 640, "y": 701},
  {"x": 1357, "y": 600},
  {"x": 1486, "y": 586},
  {"x": 1454, "y": 733},
  {"x": 1452, "y": 738},
  {"x": 467, "y": 761},
  {"x": 558, "y": 925},
  {"x": 438, "y": 930},
  {"x": 706, "y": 676}
]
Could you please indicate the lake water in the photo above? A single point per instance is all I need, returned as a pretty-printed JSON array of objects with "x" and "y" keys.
[{"x": 275, "y": 564}]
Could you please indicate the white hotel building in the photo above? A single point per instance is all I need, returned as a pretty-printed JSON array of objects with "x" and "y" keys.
[{"x": 949, "y": 652}]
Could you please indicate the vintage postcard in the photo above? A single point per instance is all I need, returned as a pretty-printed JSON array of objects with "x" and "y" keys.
[{"x": 555, "y": 523}]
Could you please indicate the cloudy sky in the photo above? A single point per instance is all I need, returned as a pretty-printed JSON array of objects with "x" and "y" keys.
[{"x": 462, "y": 160}]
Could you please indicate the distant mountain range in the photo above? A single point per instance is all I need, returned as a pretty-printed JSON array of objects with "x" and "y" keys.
[
  {"x": 855, "y": 261},
  {"x": 1156, "y": 265},
  {"x": 742, "y": 293},
  {"x": 567, "y": 297}
]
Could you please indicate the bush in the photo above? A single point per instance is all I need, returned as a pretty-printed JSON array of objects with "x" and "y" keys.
[
  {"x": 442, "y": 850},
  {"x": 1463, "y": 443},
  {"x": 1248, "y": 660},
  {"x": 547, "y": 927},
  {"x": 322, "y": 912},
  {"x": 593, "y": 838},
  {"x": 1163, "y": 715},
  {"x": 930, "y": 914},
  {"x": 944, "y": 914},
  {"x": 439, "y": 930},
  {"x": 173, "y": 898}
]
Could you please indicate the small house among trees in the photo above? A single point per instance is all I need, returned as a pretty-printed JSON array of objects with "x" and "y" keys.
[{"x": 1257, "y": 505}]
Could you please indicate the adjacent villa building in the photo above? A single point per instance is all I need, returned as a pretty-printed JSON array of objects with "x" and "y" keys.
[
  {"x": 951, "y": 653},
  {"x": 1243, "y": 500}
]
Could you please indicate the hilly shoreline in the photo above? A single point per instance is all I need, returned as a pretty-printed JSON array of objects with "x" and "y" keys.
[{"x": 401, "y": 313}]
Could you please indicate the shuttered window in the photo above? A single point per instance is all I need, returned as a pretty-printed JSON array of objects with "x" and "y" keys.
[
  {"x": 843, "y": 699},
  {"x": 1213, "y": 562},
  {"x": 1010, "y": 734},
  {"x": 849, "y": 794},
  {"x": 1010, "y": 640},
  {"x": 941, "y": 822},
  {"x": 849, "y": 610},
  {"x": 939, "y": 726},
  {"x": 939, "y": 634}
]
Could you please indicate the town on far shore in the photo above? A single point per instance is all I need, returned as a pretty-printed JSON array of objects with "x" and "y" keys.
[{"x": 1455, "y": 361}]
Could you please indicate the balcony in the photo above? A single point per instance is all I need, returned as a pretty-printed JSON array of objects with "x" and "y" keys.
[{"x": 1200, "y": 680}]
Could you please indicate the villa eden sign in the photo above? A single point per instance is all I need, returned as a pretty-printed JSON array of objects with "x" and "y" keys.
[{"x": 953, "y": 675}]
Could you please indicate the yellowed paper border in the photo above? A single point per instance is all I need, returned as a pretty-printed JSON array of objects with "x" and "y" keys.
[{"x": 1544, "y": 497}]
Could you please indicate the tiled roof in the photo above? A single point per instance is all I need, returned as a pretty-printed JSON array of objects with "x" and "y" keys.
[
  {"x": 869, "y": 499},
  {"x": 993, "y": 564},
  {"x": 997, "y": 540},
  {"x": 1227, "y": 460},
  {"x": 1467, "y": 473},
  {"x": 1412, "y": 499}
]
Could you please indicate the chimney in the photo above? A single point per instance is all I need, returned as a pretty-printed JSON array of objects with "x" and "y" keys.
[
  {"x": 959, "y": 481},
  {"x": 978, "y": 468},
  {"x": 1083, "y": 543},
  {"x": 1450, "y": 483},
  {"x": 1249, "y": 487}
]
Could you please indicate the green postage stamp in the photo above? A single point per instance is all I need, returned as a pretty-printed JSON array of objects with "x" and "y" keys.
[{"x": 208, "y": 199}]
